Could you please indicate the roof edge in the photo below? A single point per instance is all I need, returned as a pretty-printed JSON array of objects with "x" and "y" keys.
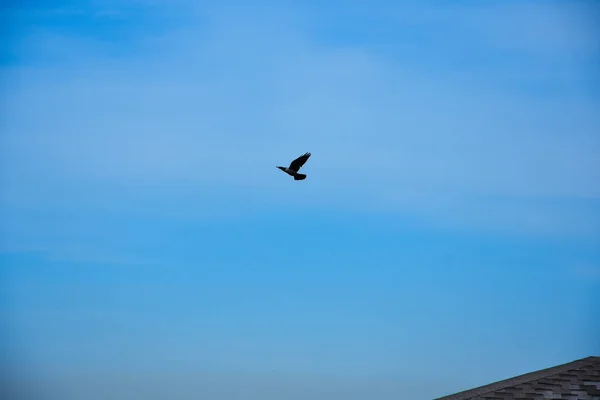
[{"x": 519, "y": 379}]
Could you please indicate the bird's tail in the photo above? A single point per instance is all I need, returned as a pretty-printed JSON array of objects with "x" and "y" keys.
[{"x": 299, "y": 177}]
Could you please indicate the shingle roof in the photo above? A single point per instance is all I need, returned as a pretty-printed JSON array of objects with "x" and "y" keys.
[{"x": 577, "y": 380}]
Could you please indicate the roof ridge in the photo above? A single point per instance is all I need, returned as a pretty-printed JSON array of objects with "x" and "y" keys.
[{"x": 519, "y": 379}]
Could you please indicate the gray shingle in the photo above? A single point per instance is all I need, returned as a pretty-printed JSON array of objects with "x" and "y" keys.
[{"x": 577, "y": 380}]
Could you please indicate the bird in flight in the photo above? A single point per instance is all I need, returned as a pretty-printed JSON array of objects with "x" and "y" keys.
[{"x": 295, "y": 167}]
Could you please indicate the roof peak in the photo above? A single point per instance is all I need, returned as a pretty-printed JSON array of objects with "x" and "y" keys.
[{"x": 524, "y": 378}]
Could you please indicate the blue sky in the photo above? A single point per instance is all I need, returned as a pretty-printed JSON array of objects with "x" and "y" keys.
[{"x": 447, "y": 235}]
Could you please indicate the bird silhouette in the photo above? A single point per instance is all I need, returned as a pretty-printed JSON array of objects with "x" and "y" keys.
[{"x": 295, "y": 167}]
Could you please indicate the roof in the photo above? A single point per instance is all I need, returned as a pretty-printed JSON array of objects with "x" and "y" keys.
[{"x": 577, "y": 380}]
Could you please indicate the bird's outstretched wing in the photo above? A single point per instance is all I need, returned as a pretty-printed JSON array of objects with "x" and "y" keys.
[{"x": 299, "y": 162}]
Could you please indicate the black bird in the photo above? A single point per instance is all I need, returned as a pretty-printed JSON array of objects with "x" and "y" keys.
[{"x": 295, "y": 167}]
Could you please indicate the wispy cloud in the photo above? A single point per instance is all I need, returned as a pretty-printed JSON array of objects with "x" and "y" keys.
[{"x": 221, "y": 104}]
